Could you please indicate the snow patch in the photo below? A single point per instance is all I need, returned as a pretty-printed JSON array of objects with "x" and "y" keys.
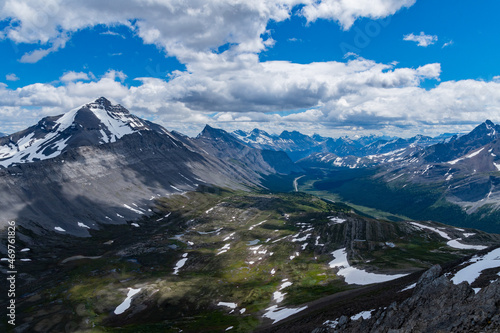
[
  {"x": 467, "y": 156},
  {"x": 331, "y": 323},
  {"x": 336, "y": 220},
  {"x": 126, "y": 303},
  {"x": 209, "y": 232},
  {"x": 411, "y": 286},
  {"x": 354, "y": 275},
  {"x": 133, "y": 209},
  {"x": 83, "y": 225},
  {"x": 478, "y": 264},
  {"x": 457, "y": 245},
  {"x": 223, "y": 249},
  {"x": 59, "y": 229},
  {"x": 301, "y": 239},
  {"x": 228, "y": 237},
  {"x": 362, "y": 314},
  {"x": 180, "y": 264},
  {"x": 285, "y": 285},
  {"x": 228, "y": 304},
  {"x": 278, "y": 296},
  {"x": 277, "y": 314},
  {"x": 441, "y": 233},
  {"x": 256, "y": 225}
]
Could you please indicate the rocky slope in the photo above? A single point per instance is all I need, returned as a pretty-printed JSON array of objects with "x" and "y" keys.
[
  {"x": 101, "y": 164},
  {"x": 224, "y": 146},
  {"x": 438, "y": 304}
]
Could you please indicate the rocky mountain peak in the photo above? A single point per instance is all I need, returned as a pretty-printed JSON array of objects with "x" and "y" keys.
[
  {"x": 102, "y": 102},
  {"x": 94, "y": 123},
  {"x": 215, "y": 133}
]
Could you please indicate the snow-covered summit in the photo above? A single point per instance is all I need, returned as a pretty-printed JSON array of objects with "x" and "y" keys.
[{"x": 94, "y": 123}]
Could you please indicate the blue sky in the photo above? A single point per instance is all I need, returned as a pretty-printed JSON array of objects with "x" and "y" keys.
[{"x": 330, "y": 67}]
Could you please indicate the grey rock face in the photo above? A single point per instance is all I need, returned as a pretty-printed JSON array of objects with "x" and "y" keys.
[{"x": 437, "y": 305}]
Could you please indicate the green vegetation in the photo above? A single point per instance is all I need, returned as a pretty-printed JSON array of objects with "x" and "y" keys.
[
  {"x": 239, "y": 248},
  {"x": 397, "y": 201}
]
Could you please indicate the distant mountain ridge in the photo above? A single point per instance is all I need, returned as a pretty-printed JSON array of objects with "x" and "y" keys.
[
  {"x": 467, "y": 167},
  {"x": 454, "y": 181},
  {"x": 101, "y": 155},
  {"x": 299, "y": 146},
  {"x": 101, "y": 164}
]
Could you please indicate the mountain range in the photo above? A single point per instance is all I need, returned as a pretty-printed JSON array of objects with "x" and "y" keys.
[
  {"x": 100, "y": 155},
  {"x": 99, "y": 163},
  {"x": 123, "y": 225},
  {"x": 298, "y": 145},
  {"x": 466, "y": 169}
]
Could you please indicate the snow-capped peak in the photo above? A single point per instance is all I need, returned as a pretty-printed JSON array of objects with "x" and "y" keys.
[{"x": 94, "y": 123}]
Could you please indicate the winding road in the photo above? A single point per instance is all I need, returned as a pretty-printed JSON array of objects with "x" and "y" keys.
[{"x": 295, "y": 185}]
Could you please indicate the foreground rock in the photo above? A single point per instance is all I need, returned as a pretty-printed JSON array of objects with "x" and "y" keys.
[{"x": 437, "y": 305}]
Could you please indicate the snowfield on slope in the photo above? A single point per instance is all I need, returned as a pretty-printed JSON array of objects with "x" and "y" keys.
[
  {"x": 126, "y": 303},
  {"x": 354, "y": 275},
  {"x": 478, "y": 264}
]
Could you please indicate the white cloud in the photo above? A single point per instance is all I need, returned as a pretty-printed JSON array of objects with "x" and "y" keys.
[
  {"x": 326, "y": 97},
  {"x": 11, "y": 77},
  {"x": 36, "y": 55},
  {"x": 447, "y": 44},
  {"x": 241, "y": 90},
  {"x": 180, "y": 27},
  {"x": 346, "y": 12},
  {"x": 422, "y": 39},
  {"x": 112, "y": 33},
  {"x": 74, "y": 76}
]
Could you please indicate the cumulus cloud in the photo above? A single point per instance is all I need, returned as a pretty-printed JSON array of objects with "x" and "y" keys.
[
  {"x": 422, "y": 39},
  {"x": 11, "y": 77},
  {"x": 234, "y": 87},
  {"x": 358, "y": 93},
  {"x": 75, "y": 76},
  {"x": 346, "y": 12},
  {"x": 179, "y": 27}
]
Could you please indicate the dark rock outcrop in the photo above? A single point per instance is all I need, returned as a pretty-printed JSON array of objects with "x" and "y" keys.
[{"x": 437, "y": 305}]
